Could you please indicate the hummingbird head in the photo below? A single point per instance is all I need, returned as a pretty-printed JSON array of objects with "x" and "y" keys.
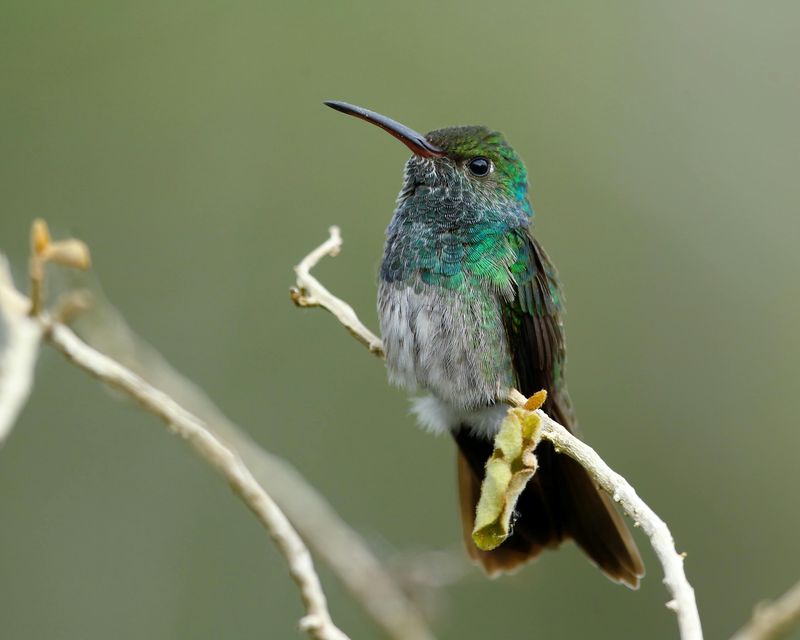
[
  {"x": 456, "y": 168},
  {"x": 481, "y": 159}
]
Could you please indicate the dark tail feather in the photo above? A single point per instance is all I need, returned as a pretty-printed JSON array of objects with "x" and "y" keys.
[{"x": 560, "y": 502}]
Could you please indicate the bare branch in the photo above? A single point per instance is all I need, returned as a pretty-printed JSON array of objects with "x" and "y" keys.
[
  {"x": 773, "y": 620},
  {"x": 317, "y": 621},
  {"x": 683, "y": 599},
  {"x": 373, "y": 586}
]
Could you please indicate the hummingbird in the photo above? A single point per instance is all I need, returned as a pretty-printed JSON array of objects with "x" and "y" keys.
[{"x": 470, "y": 306}]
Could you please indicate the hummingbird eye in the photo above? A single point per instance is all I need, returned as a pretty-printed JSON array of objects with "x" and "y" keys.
[{"x": 479, "y": 166}]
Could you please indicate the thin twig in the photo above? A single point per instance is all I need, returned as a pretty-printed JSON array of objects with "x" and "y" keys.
[
  {"x": 317, "y": 621},
  {"x": 683, "y": 599},
  {"x": 332, "y": 540},
  {"x": 336, "y": 543},
  {"x": 773, "y": 620},
  {"x": 309, "y": 292}
]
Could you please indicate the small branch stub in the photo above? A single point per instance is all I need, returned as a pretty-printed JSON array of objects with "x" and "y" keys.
[{"x": 70, "y": 253}]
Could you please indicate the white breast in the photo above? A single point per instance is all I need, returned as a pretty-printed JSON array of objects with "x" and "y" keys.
[{"x": 453, "y": 345}]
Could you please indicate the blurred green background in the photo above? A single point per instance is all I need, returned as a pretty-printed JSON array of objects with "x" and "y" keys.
[{"x": 187, "y": 144}]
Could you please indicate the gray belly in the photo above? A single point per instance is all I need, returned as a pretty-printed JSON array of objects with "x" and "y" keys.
[{"x": 452, "y": 345}]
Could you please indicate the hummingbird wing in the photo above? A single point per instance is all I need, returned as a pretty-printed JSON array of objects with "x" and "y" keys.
[
  {"x": 535, "y": 330},
  {"x": 561, "y": 501}
]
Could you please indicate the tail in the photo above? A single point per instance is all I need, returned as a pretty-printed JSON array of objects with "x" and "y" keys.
[{"x": 560, "y": 502}]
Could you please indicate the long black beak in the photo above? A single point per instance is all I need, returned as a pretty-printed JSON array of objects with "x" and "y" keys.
[{"x": 413, "y": 140}]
